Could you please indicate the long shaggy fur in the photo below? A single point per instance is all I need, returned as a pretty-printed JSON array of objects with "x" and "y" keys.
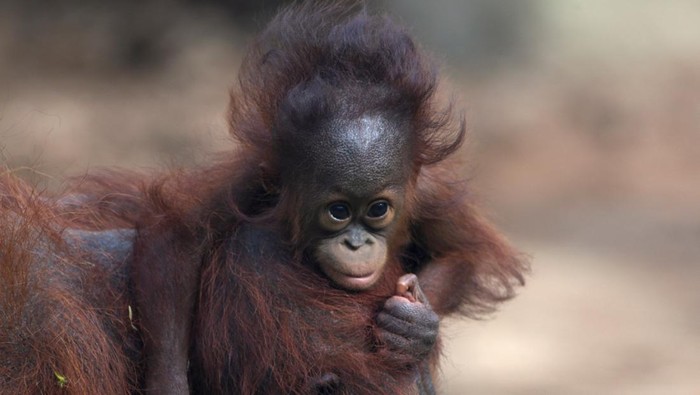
[
  {"x": 273, "y": 324},
  {"x": 63, "y": 327}
]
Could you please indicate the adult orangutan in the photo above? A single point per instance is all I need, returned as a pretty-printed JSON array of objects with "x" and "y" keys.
[{"x": 293, "y": 264}]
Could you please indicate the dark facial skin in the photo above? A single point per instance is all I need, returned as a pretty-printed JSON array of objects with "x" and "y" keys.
[
  {"x": 356, "y": 254},
  {"x": 359, "y": 176},
  {"x": 360, "y": 169}
]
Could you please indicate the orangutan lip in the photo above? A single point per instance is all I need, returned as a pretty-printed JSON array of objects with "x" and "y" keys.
[
  {"x": 353, "y": 275},
  {"x": 361, "y": 276},
  {"x": 353, "y": 281}
]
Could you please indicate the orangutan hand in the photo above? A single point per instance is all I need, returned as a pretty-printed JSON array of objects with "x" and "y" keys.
[{"x": 407, "y": 325}]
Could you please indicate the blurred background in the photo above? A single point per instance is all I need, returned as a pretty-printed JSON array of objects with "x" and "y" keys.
[{"x": 584, "y": 149}]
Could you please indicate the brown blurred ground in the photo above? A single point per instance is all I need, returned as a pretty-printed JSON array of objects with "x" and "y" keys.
[{"x": 585, "y": 148}]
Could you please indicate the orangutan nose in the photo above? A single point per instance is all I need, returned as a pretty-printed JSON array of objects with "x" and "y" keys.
[{"x": 356, "y": 238}]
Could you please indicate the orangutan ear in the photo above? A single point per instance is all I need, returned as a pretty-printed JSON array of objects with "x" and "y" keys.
[{"x": 269, "y": 178}]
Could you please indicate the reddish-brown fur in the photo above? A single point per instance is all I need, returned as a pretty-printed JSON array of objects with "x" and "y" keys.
[
  {"x": 277, "y": 324},
  {"x": 63, "y": 314}
]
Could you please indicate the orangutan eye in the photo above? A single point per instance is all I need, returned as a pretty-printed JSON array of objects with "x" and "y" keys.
[
  {"x": 339, "y": 211},
  {"x": 378, "y": 209}
]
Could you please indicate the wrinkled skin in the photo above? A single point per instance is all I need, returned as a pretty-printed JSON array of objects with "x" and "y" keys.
[{"x": 409, "y": 325}]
